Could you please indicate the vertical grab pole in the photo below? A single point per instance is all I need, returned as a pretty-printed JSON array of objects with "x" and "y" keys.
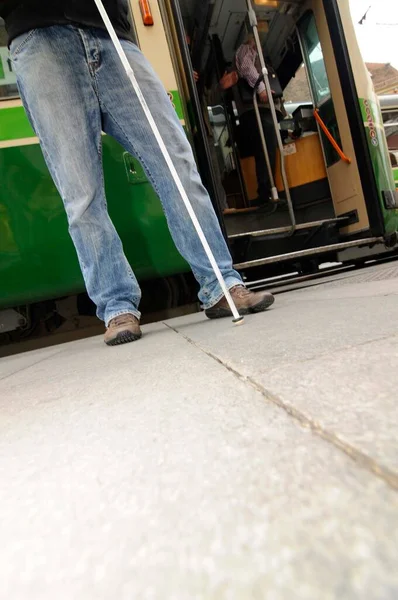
[
  {"x": 237, "y": 318},
  {"x": 253, "y": 23}
]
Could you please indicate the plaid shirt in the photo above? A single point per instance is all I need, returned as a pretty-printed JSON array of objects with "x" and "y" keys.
[{"x": 247, "y": 66}]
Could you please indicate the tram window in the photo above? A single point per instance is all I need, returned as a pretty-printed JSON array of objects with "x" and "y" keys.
[
  {"x": 316, "y": 63},
  {"x": 390, "y": 120},
  {"x": 298, "y": 88},
  {"x": 8, "y": 80},
  {"x": 319, "y": 84}
]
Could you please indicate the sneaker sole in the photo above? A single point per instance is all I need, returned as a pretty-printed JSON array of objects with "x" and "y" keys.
[
  {"x": 124, "y": 338},
  {"x": 220, "y": 313}
]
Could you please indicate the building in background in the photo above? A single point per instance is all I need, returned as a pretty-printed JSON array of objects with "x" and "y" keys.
[{"x": 384, "y": 76}]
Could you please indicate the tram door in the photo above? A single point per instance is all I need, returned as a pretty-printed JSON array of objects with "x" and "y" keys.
[{"x": 344, "y": 177}]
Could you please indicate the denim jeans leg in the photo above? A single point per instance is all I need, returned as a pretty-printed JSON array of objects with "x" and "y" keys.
[{"x": 59, "y": 95}]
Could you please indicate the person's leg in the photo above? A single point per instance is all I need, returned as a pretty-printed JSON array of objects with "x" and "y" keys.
[
  {"x": 58, "y": 92},
  {"x": 124, "y": 119},
  {"x": 264, "y": 183},
  {"x": 270, "y": 136},
  {"x": 250, "y": 128}
]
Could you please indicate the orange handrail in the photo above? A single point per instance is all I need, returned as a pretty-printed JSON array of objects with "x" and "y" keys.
[{"x": 331, "y": 138}]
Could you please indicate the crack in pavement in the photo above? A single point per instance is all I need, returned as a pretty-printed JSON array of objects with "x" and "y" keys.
[{"x": 389, "y": 477}]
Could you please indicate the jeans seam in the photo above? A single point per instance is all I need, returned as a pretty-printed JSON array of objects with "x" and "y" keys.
[
  {"x": 100, "y": 152},
  {"x": 86, "y": 49},
  {"x": 91, "y": 71},
  {"x": 17, "y": 51},
  {"x": 46, "y": 155}
]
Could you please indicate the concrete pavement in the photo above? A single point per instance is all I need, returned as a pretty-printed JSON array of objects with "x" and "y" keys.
[{"x": 210, "y": 462}]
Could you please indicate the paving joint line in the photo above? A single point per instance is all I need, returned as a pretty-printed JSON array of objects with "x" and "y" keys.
[{"x": 389, "y": 477}]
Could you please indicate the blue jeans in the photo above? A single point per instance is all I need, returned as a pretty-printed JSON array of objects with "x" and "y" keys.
[{"x": 73, "y": 86}]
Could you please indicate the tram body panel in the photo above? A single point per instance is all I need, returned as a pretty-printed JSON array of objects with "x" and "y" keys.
[{"x": 344, "y": 179}]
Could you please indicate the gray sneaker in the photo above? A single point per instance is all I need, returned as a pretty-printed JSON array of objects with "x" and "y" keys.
[
  {"x": 246, "y": 302},
  {"x": 122, "y": 329}
]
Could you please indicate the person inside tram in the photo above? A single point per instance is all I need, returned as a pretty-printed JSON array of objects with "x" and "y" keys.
[
  {"x": 73, "y": 86},
  {"x": 247, "y": 64}
]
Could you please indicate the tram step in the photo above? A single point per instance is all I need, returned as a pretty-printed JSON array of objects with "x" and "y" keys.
[
  {"x": 287, "y": 228},
  {"x": 308, "y": 252}
]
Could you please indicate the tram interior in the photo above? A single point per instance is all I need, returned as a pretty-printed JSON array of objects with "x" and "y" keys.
[{"x": 216, "y": 29}]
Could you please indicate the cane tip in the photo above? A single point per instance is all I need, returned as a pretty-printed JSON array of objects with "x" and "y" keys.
[{"x": 239, "y": 321}]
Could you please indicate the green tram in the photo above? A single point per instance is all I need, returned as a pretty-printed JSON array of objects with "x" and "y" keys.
[{"x": 343, "y": 198}]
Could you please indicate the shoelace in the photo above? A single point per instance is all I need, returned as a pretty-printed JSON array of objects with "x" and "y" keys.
[
  {"x": 240, "y": 291},
  {"x": 121, "y": 320}
]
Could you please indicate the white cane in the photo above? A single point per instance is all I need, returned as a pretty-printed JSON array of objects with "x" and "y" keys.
[{"x": 130, "y": 73}]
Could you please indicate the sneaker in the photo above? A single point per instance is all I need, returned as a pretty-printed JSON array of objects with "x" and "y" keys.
[
  {"x": 246, "y": 302},
  {"x": 122, "y": 329}
]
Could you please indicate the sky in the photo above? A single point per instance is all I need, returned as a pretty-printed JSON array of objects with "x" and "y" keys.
[{"x": 378, "y": 36}]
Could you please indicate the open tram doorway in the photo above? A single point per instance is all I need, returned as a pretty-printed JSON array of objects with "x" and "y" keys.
[
  {"x": 216, "y": 32},
  {"x": 327, "y": 188}
]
